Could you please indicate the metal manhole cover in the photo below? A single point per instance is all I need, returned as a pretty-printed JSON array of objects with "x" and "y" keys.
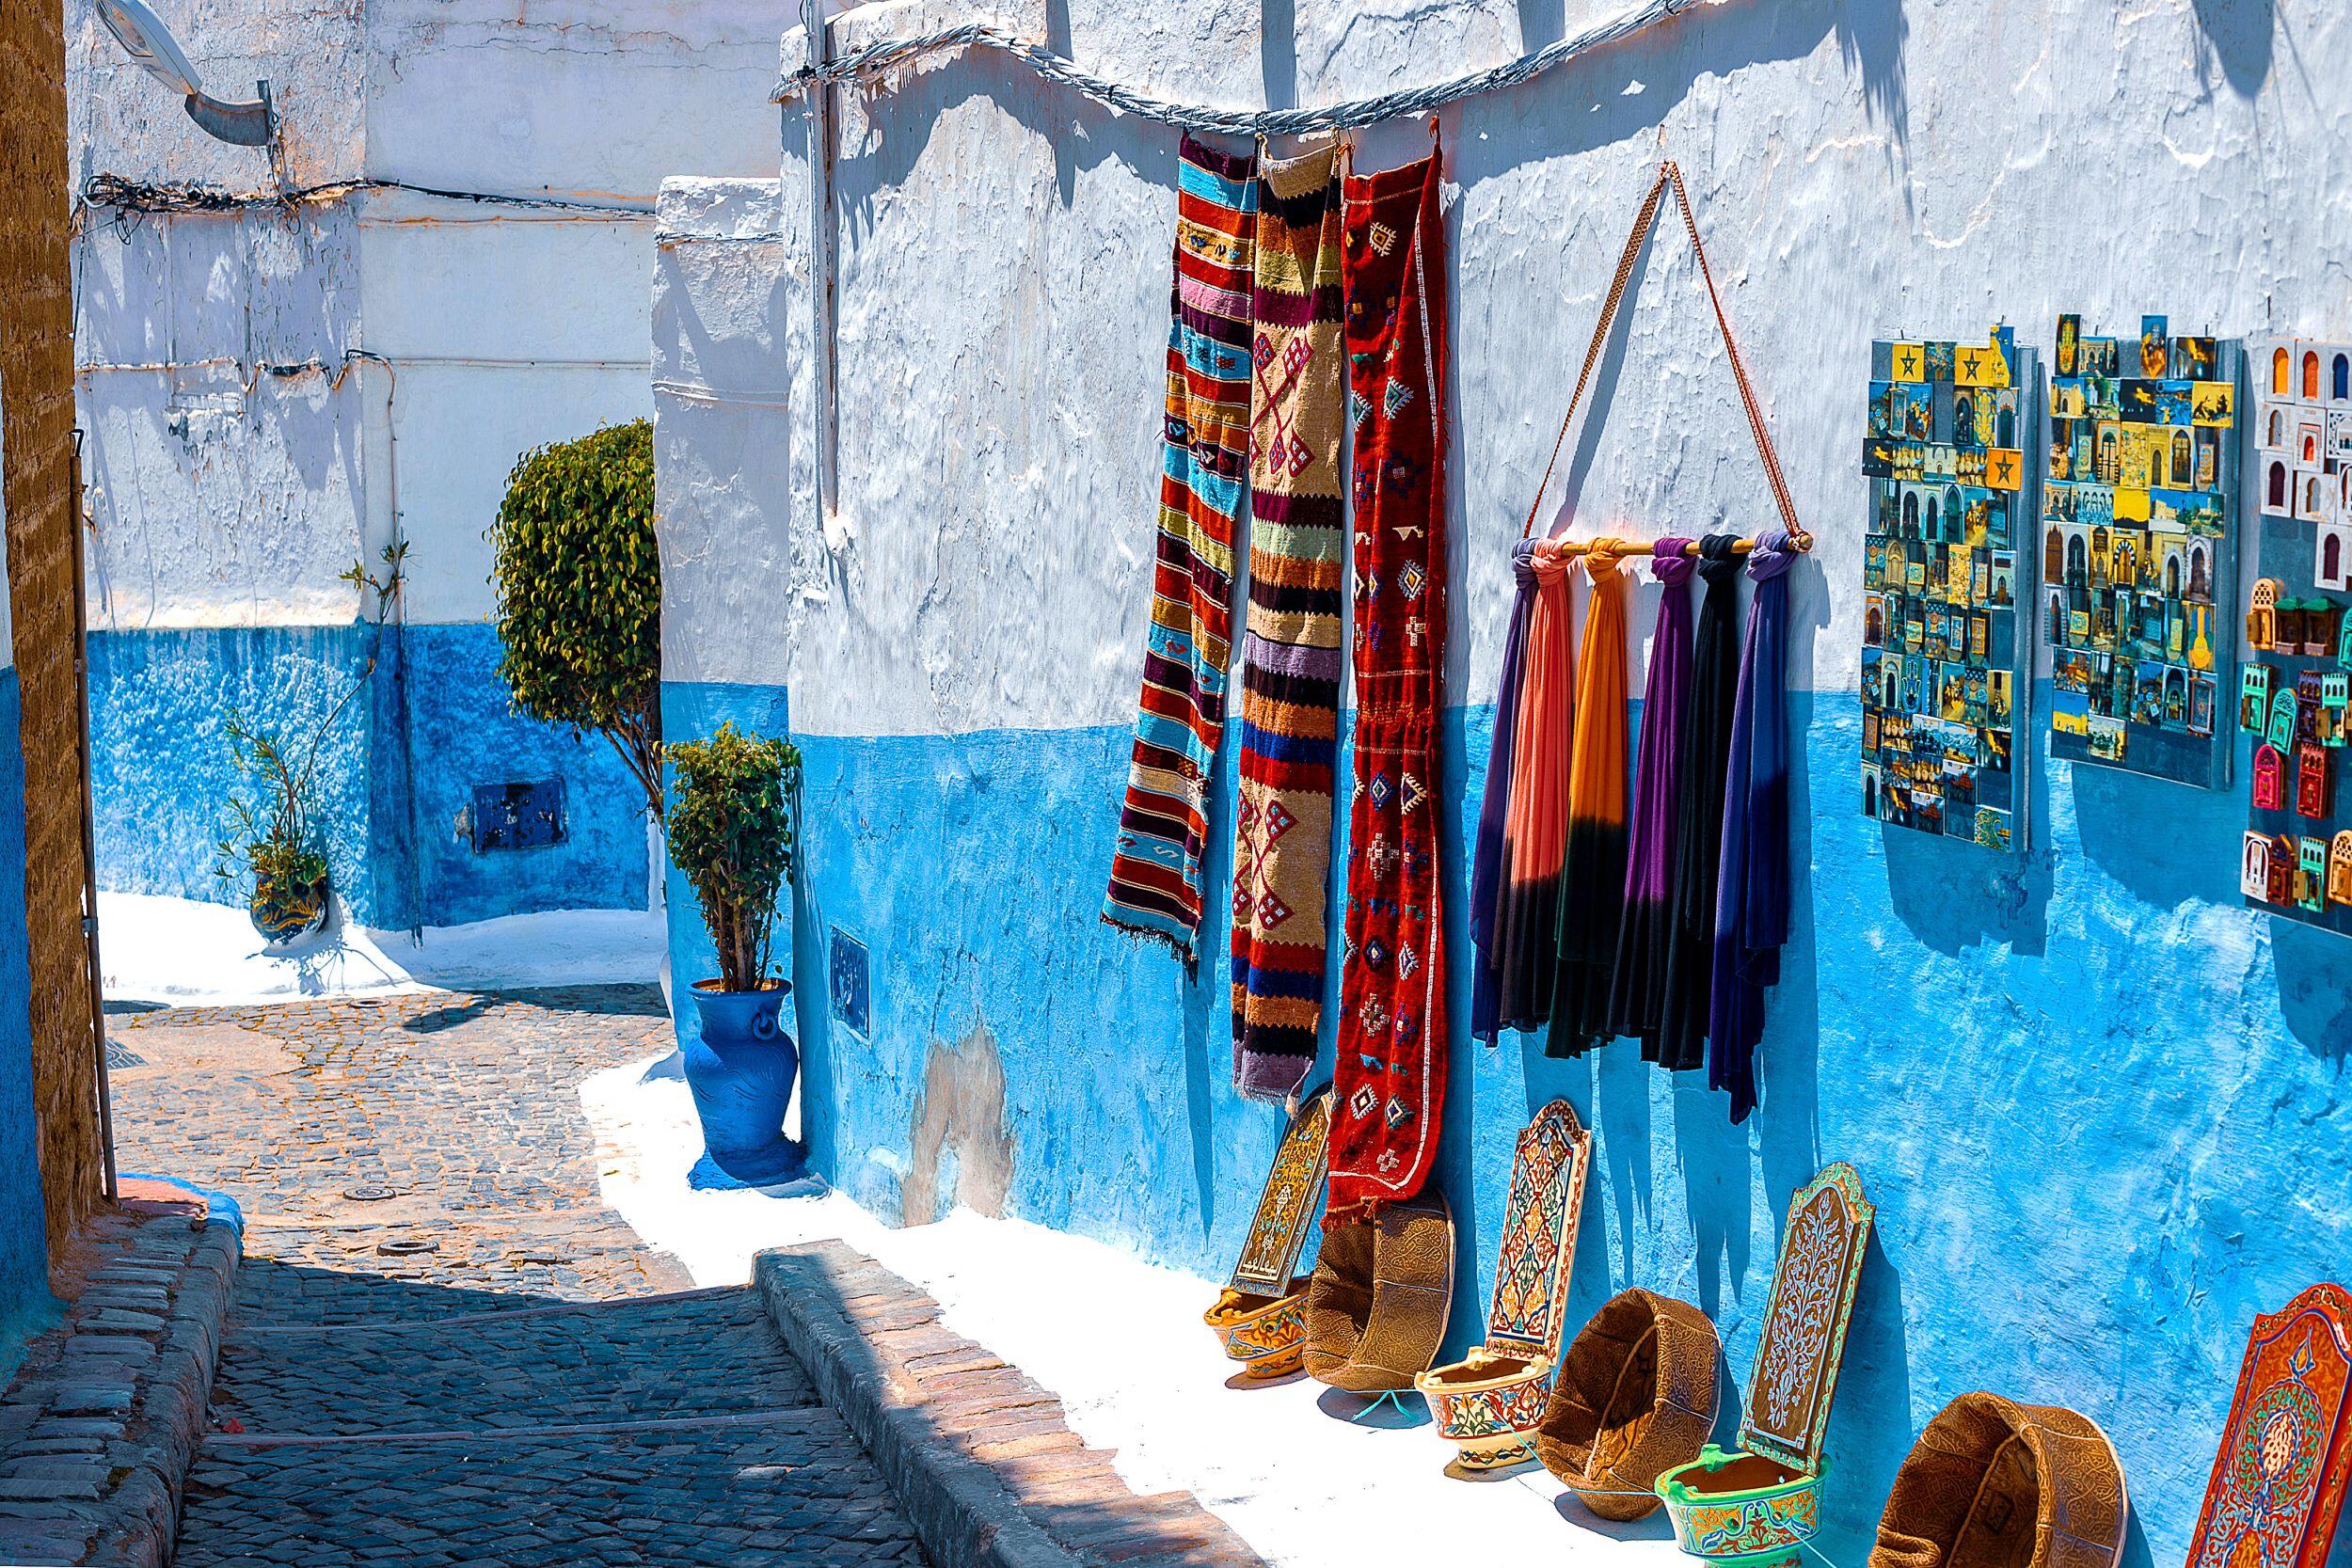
[
  {"x": 405, "y": 1246},
  {"x": 369, "y": 1192}
]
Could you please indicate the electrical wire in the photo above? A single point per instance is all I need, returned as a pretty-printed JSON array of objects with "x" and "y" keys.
[{"x": 1410, "y": 102}]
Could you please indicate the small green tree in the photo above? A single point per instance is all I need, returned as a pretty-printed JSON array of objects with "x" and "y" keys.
[
  {"x": 731, "y": 834},
  {"x": 578, "y": 581}
]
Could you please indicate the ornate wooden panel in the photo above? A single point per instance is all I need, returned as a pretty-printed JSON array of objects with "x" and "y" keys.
[
  {"x": 1539, "y": 1226},
  {"x": 1279, "y": 1228},
  {"x": 1805, "y": 1324},
  {"x": 2278, "y": 1482}
]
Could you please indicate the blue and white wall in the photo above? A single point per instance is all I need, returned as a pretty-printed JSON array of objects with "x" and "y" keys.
[
  {"x": 2102, "y": 1107},
  {"x": 271, "y": 395},
  {"x": 25, "y": 1304}
]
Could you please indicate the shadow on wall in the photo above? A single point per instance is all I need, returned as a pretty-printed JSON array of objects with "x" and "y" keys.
[
  {"x": 961, "y": 1149},
  {"x": 2240, "y": 34}
]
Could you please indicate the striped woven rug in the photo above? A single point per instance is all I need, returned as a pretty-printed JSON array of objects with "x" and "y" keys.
[
  {"x": 1155, "y": 875},
  {"x": 1292, "y": 657}
]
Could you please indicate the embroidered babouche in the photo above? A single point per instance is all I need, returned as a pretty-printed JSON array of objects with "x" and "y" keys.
[
  {"x": 1757, "y": 1506},
  {"x": 2279, "y": 1480},
  {"x": 1634, "y": 1397},
  {"x": 1261, "y": 1316},
  {"x": 1489, "y": 1403},
  {"x": 1993, "y": 1483},
  {"x": 1376, "y": 1305}
]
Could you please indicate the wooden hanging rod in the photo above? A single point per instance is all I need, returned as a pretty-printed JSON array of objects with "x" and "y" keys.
[{"x": 1801, "y": 543}]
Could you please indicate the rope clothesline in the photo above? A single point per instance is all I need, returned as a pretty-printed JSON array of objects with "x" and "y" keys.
[{"x": 1356, "y": 113}]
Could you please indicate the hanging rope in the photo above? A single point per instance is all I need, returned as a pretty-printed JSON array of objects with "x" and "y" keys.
[{"x": 879, "y": 57}]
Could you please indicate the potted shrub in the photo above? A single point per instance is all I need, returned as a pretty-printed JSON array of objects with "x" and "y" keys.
[
  {"x": 730, "y": 829},
  {"x": 276, "y": 844}
]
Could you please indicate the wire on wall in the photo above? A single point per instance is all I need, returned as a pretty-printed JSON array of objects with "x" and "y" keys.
[
  {"x": 130, "y": 200},
  {"x": 879, "y": 57}
]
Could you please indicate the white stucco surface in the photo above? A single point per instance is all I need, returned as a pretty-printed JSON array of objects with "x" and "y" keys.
[
  {"x": 226, "y": 495},
  {"x": 1861, "y": 167}
]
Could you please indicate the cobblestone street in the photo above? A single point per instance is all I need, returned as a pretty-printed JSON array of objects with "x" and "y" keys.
[{"x": 444, "y": 1348}]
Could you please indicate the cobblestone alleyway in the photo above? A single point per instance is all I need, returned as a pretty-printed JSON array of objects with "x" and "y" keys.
[{"x": 444, "y": 1348}]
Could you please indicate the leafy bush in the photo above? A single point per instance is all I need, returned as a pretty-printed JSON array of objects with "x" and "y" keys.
[
  {"x": 277, "y": 842},
  {"x": 731, "y": 834},
  {"x": 579, "y": 581}
]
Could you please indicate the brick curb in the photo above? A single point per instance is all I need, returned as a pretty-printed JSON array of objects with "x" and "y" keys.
[
  {"x": 104, "y": 1416},
  {"x": 982, "y": 1463}
]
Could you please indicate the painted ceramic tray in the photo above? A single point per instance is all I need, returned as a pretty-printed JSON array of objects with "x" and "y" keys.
[
  {"x": 1539, "y": 1226},
  {"x": 1804, "y": 1327},
  {"x": 1279, "y": 1228},
  {"x": 2278, "y": 1482}
]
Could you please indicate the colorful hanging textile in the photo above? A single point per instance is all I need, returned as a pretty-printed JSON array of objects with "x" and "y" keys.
[
  {"x": 1390, "y": 1077},
  {"x": 1155, "y": 875},
  {"x": 1535, "y": 831},
  {"x": 1290, "y": 654},
  {"x": 1494, "y": 812},
  {"x": 1752, "y": 887},
  {"x": 1637, "y": 994},
  {"x": 1699, "y": 809},
  {"x": 1592, "y": 874}
]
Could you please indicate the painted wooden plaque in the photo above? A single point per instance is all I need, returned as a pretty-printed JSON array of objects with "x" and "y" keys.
[
  {"x": 1279, "y": 1228},
  {"x": 1805, "y": 1324},
  {"x": 1539, "y": 1226},
  {"x": 2278, "y": 1482}
]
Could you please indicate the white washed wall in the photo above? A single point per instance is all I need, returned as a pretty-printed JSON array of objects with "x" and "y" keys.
[
  {"x": 504, "y": 328},
  {"x": 1861, "y": 165}
]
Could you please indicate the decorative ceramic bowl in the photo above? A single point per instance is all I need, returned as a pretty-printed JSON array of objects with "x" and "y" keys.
[
  {"x": 1488, "y": 1407},
  {"x": 1741, "y": 1510},
  {"x": 1267, "y": 1334}
]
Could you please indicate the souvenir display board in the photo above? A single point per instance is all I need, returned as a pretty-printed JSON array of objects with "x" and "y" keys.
[
  {"x": 1947, "y": 670},
  {"x": 2295, "y": 705},
  {"x": 2139, "y": 550},
  {"x": 2295, "y": 689}
]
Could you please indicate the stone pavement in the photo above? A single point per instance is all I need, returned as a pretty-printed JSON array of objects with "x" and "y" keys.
[{"x": 444, "y": 1348}]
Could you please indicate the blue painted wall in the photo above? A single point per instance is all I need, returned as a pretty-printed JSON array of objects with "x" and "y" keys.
[
  {"x": 434, "y": 712},
  {"x": 26, "y": 1306},
  {"x": 2099, "y": 1104}
]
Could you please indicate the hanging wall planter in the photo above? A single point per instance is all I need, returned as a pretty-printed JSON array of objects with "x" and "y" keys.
[
  {"x": 287, "y": 906},
  {"x": 731, "y": 833}
]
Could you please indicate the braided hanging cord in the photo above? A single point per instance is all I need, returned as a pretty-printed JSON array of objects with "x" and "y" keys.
[{"x": 879, "y": 57}]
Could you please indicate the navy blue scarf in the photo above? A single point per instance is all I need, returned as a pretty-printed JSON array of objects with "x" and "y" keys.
[{"x": 1752, "y": 878}]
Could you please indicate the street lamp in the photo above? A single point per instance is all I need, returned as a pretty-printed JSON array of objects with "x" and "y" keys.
[{"x": 146, "y": 40}]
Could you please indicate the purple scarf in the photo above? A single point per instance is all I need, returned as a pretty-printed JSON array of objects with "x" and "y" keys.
[
  {"x": 1637, "y": 999},
  {"x": 1486, "y": 865},
  {"x": 1699, "y": 807},
  {"x": 1752, "y": 885}
]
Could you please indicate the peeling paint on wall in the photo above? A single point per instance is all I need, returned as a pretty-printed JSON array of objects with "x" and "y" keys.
[{"x": 962, "y": 1151}]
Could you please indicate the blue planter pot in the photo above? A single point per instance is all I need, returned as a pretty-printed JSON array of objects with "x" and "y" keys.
[{"x": 741, "y": 1073}]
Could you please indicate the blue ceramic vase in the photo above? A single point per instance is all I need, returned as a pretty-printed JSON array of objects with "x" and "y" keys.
[{"x": 741, "y": 1072}]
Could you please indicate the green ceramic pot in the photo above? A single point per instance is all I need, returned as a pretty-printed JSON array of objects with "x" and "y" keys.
[{"x": 1742, "y": 1510}]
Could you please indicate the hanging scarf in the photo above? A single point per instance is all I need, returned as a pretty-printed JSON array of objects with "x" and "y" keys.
[
  {"x": 1389, "y": 1080},
  {"x": 1156, "y": 874},
  {"x": 1494, "y": 811},
  {"x": 1699, "y": 808},
  {"x": 1637, "y": 997},
  {"x": 1592, "y": 875},
  {"x": 1536, "y": 832},
  {"x": 1289, "y": 651},
  {"x": 1751, "y": 886}
]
